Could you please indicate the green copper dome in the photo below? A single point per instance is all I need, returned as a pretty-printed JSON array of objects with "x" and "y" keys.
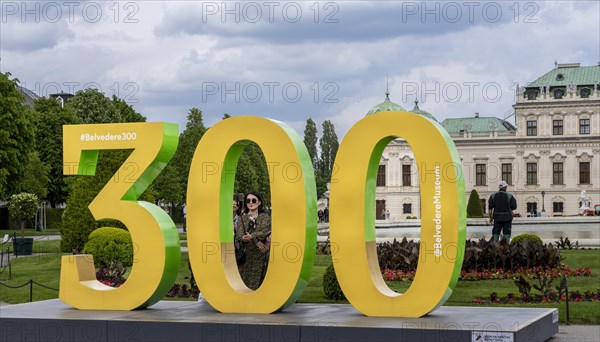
[
  {"x": 385, "y": 106},
  {"x": 419, "y": 111}
]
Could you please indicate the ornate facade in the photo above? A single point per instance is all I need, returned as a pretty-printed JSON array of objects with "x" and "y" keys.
[{"x": 551, "y": 155}]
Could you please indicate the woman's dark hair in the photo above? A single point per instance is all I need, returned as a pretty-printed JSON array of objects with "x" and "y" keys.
[
  {"x": 261, "y": 207},
  {"x": 240, "y": 208}
]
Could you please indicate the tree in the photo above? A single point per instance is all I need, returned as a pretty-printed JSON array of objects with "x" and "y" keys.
[
  {"x": 259, "y": 165},
  {"x": 310, "y": 140},
  {"x": 23, "y": 207},
  {"x": 188, "y": 140},
  {"x": 246, "y": 179},
  {"x": 36, "y": 179},
  {"x": 49, "y": 118},
  {"x": 92, "y": 107},
  {"x": 128, "y": 114},
  {"x": 474, "y": 208},
  {"x": 252, "y": 174},
  {"x": 329, "y": 146},
  {"x": 17, "y": 136},
  {"x": 168, "y": 187}
]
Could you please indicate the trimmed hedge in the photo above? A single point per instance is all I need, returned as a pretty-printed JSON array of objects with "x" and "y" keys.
[
  {"x": 107, "y": 244},
  {"x": 331, "y": 287},
  {"x": 529, "y": 237}
]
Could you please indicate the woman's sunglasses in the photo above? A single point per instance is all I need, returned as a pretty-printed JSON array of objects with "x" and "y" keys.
[{"x": 251, "y": 200}]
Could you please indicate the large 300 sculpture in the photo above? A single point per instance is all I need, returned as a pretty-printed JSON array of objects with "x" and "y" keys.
[{"x": 293, "y": 197}]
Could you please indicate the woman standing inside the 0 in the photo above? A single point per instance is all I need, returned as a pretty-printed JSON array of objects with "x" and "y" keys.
[{"x": 251, "y": 231}]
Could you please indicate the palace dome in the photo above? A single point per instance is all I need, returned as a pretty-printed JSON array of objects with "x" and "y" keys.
[
  {"x": 419, "y": 111},
  {"x": 385, "y": 106}
]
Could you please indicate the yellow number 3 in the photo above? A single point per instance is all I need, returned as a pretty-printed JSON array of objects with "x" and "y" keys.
[{"x": 157, "y": 250}]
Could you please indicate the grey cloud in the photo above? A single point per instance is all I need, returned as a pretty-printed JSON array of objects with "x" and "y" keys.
[
  {"x": 335, "y": 21},
  {"x": 29, "y": 37}
]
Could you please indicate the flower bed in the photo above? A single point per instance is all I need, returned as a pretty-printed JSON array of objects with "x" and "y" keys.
[
  {"x": 494, "y": 274},
  {"x": 553, "y": 296},
  {"x": 554, "y": 272}
]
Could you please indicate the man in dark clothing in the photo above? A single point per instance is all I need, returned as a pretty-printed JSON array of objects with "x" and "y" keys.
[{"x": 501, "y": 206}]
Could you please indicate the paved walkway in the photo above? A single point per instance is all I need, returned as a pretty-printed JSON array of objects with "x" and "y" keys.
[{"x": 577, "y": 333}]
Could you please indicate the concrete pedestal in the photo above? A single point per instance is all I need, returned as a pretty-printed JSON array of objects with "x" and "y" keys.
[{"x": 190, "y": 321}]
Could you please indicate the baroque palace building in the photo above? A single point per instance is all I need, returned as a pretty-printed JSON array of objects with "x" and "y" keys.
[{"x": 551, "y": 155}]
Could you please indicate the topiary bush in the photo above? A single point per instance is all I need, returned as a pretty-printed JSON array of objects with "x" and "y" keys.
[
  {"x": 108, "y": 244},
  {"x": 23, "y": 207},
  {"x": 331, "y": 287},
  {"x": 529, "y": 237},
  {"x": 474, "y": 208}
]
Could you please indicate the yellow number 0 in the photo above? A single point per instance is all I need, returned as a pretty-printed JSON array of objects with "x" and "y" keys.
[
  {"x": 210, "y": 232},
  {"x": 157, "y": 250},
  {"x": 352, "y": 215}
]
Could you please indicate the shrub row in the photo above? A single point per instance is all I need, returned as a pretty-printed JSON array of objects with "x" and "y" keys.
[
  {"x": 479, "y": 255},
  {"x": 524, "y": 251}
]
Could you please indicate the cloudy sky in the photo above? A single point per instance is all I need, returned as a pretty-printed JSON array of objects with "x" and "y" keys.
[{"x": 291, "y": 60}]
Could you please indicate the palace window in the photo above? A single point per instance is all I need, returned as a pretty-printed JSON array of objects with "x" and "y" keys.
[
  {"x": 584, "y": 173},
  {"x": 557, "y": 207},
  {"x": 531, "y": 173},
  {"x": 557, "y": 127},
  {"x": 407, "y": 208},
  {"x": 584, "y": 126},
  {"x": 381, "y": 176},
  {"x": 585, "y": 93},
  {"x": 406, "y": 179},
  {"x": 507, "y": 173},
  {"x": 480, "y": 178},
  {"x": 559, "y": 93},
  {"x": 532, "y": 207},
  {"x": 531, "y": 95},
  {"x": 557, "y": 173},
  {"x": 532, "y": 127}
]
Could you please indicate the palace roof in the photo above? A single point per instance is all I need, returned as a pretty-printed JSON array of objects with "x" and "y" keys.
[
  {"x": 565, "y": 74},
  {"x": 477, "y": 124}
]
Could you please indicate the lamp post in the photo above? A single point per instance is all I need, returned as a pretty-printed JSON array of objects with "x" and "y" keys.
[{"x": 543, "y": 210}]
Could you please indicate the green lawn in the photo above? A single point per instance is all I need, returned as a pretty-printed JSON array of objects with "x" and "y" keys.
[
  {"x": 45, "y": 269},
  {"x": 28, "y": 232}
]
